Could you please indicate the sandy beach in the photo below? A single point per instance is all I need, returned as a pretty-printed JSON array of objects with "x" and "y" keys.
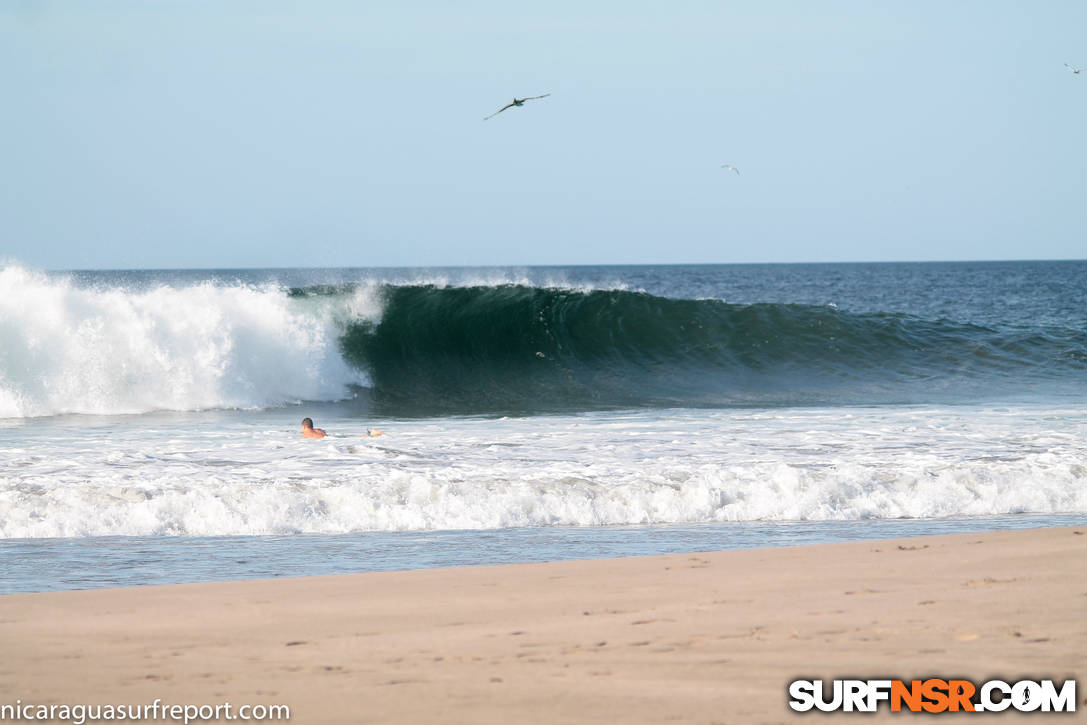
[{"x": 700, "y": 638}]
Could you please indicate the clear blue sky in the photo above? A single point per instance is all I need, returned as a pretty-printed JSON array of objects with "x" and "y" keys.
[{"x": 214, "y": 133}]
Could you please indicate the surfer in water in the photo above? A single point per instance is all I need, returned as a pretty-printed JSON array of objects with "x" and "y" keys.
[{"x": 308, "y": 431}]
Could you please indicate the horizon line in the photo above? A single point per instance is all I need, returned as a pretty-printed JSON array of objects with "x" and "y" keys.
[{"x": 15, "y": 263}]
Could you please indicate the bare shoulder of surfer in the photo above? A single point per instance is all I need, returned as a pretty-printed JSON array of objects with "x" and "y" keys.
[{"x": 308, "y": 431}]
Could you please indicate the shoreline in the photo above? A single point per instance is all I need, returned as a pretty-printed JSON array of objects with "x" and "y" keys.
[
  {"x": 37, "y": 565},
  {"x": 705, "y": 637}
]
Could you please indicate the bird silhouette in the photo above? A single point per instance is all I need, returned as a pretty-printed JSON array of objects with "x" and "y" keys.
[
  {"x": 1074, "y": 70},
  {"x": 516, "y": 102},
  {"x": 730, "y": 167}
]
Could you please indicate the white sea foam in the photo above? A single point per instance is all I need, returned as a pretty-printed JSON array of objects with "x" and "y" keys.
[
  {"x": 67, "y": 349},
  {"x": 218, "y": 474}
]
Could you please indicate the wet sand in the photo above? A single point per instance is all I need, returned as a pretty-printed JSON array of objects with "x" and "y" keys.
[{"x": 694, "y": 638}]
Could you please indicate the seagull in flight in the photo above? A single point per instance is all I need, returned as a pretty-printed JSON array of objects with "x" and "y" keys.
[
  {"x": 516, "y": 102},
  {"x": 730, "y": 167},
  {"x": 1074, "y": 70}
]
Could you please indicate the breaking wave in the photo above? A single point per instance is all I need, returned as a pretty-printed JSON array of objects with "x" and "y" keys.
[{"x": 419, "y": 349}]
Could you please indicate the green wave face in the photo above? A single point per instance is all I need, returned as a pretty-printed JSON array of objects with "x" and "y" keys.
[{"x": 526, "y": 349}]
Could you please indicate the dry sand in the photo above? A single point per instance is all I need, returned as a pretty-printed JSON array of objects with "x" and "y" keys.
[{"x": 699, "y": 638}]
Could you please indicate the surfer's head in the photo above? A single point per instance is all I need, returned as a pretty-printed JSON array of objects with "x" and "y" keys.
[{"x": 307, "y": 422}]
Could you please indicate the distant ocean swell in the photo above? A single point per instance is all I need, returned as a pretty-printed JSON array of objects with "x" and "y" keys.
[{"x": 429, "y": 349}]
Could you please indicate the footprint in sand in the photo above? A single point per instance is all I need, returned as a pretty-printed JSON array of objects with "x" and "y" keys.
[{"x": 986, "y": 581}]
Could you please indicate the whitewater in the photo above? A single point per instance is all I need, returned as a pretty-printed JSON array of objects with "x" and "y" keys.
[
  {"x": 115, "y": 351},
  {"x": 159, "y": 406},
  {"x": 231, "y": 475}
]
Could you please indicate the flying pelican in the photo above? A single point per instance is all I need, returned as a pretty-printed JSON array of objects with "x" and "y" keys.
[
  {"x": 1074, "y": 70},
  {"x": 516, "y": 102},
  {"x": 730, "y": 167}
]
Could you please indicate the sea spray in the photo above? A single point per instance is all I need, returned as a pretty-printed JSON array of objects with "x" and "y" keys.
[{"x": 70, "y": 349}]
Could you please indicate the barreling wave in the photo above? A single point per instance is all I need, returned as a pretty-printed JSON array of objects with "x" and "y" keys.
[
  {"x": 520, "y": 348},
  {"x": 430, "y": 349}
]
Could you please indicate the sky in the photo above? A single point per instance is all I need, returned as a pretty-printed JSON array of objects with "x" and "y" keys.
[{"x": 324, "y": 133}]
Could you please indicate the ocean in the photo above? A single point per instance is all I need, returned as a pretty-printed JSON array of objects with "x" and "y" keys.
[{"x": 150, "y": 420}]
